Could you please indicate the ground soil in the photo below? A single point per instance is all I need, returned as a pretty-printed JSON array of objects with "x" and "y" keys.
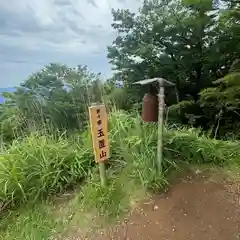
[{"x": 196, "y": 207}]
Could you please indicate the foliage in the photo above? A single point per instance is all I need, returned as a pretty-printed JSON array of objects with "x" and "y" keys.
[
  {"x": 217, "y": 109},
  {"x": 135, "y": 146},
  {"x": 37, "y": 222},
  {"x": 190, "y": 146},
  {"x": 56, "y": 97},
  {"x": 221, "y": 104},
  {"x": 120, "y": 99},
  {"x": 37, "y": 166},
  {"x": 182, "y": 41},
  {"x": 185, "y": 112},
  {"x": 190, "y": 43}
]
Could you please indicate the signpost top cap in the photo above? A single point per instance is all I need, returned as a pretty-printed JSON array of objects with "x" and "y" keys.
[{"x": 161, "y": 81}]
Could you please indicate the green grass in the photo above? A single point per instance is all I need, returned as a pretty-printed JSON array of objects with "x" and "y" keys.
[
  {"x": 31, "y": 223},
  {"x": 115, "y": 199},
  {"x": 192, "y": 147},
  {"x": 40, "y": 166}
]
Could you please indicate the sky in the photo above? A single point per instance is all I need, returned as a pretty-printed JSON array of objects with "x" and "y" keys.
[{"x": 34, "y": 33}]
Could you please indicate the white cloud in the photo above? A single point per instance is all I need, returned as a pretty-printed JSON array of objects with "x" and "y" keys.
[{"x": 42, "y": 31}]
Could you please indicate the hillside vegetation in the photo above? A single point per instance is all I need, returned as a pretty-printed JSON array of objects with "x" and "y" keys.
[{"x": 46, "y": 147}]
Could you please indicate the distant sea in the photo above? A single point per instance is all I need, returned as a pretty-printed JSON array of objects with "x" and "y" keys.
[{"x": 5, "y": 90}]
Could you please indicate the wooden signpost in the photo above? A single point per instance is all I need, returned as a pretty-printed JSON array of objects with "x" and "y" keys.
[{"x": 99, "y": 128}]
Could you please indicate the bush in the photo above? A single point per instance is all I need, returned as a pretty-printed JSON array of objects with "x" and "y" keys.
[
  {"x": 134, "y": 142},
  {"x": 41, "y": 165},
  {"x": 189, "y": 145},
  {"x": 185, "y": 112},
  {"x": 120, "y": 99},
  {"x": 139, "y": 142},
  {"x": 134, "y": 146}
]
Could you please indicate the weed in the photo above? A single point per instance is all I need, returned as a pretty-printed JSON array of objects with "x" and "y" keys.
[
  {"x": 43, "y": 165},
  {"x": 33, "y": 223},
  {"x": 39, "y": 166}
]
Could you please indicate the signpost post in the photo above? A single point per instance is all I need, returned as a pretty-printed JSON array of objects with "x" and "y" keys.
[{"x": 99, "y": 129}]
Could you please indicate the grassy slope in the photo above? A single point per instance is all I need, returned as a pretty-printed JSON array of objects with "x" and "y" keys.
[
  {"x": 49, "y": 219},
  {"x": 56, "y": 163},
  {"x": 32, "y": 223}
]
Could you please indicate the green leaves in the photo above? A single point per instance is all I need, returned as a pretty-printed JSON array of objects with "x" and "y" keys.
[
  {"x": 184, "y": 41},
  {"x": 39, "y": 166},
  {"x": 56, "y": 97}
]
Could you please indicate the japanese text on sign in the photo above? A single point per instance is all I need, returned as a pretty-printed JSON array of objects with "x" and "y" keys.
[{"x": 99, "y": 128}]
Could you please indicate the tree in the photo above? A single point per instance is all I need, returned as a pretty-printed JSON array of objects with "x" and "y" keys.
[
  {"x": 183, "y": 41},
  {"x": 56, "y": 97},
  {"x": 221, "y": 104}
]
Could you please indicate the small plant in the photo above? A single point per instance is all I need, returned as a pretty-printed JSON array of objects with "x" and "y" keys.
[
  {"x": 189, "y": 146},
  {"x": 38, "y": 166}
]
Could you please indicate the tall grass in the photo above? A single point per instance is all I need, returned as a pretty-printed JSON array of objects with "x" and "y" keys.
[
  {"x": 191, "y": 146},
  {"x": 36, "y": 222},
  {"x": 42, "y": 165},
  {"x": 38, "y": 166}
]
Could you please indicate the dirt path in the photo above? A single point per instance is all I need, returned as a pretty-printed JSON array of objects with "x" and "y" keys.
[{"x": 199, "y": 209}]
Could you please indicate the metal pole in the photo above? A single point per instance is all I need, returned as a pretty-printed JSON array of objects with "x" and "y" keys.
[{"x": 160, "y": 128}]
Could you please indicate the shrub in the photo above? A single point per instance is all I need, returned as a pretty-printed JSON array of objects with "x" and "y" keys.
[
  {"x": 185, "y": 112},
  {"x": 41, "y": 165},
  {"x": 136, "y": 143},
  {"x": 190, "y": 146}
]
